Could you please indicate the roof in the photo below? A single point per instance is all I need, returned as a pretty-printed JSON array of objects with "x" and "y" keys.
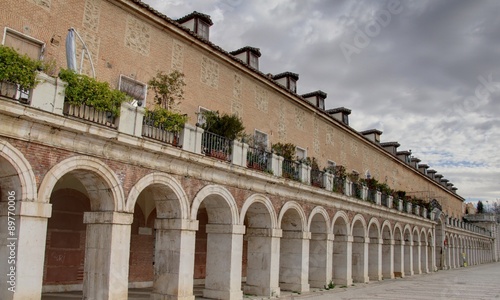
[
  {"x": 431, "y": 171},
  {"x": 423, "y": 166},
  {"x": 370, "y": 131},
  {"x": 286, "y": 74},
  {"x": 339, "y": 109},
  {"x": 254, "y": 50},
  {"x": 389, "y": 144},
  {"x": 195, "y": 14},
  {"x": 404, "y": 152},
  {"x": 316, "y": 93},
  {"x": 415, "y": 159}
]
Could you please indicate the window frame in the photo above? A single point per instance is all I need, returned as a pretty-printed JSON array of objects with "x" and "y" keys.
[
  {"x": 298, "y": 150},
  {"x": 253, "y": 60},
  {"x": 135, "y": 102},
  {"x": 257, "y": 132},
  {"x": 202, "y": 29},
  {"x": 25, "y": 37},
  {"x": 200, "y": 120}
]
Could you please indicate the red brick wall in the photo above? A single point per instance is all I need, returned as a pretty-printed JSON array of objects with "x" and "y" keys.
[
  {"x": 141, "y": 249},
  {"x": 65, "y": 252}
]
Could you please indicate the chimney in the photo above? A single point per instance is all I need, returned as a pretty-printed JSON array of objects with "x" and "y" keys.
[
  {"x": 444, "y": 182},
  {"x": 391, "y": 147},
  {"x": 454, "y": 190},
  {"x": 372, "y": 134},
  {"x": 438, "y": 177},
  {"x": 423, "y": 168},
  {"x": 341, "y": 114},
  {"x": 431, "y": 173},
  {"x": 249, "y": 55},
  {"x": 404, "y": 156},
  {"x": 198, "y": 23},
  {"x": 414, "y": 162},
  {"x": 288, "y": 80},
  {"x": 316, "y": 98}
]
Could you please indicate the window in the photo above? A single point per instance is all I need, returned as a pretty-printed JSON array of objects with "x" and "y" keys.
[
  {"x": 293, "y": 85},
  {"x": 135, "y": 89},
  {"x": 201, "y": 118},
  {"x": 345, "y": 119},
  {"x": 254, "y": 61},
  {"x": 23, "y": 44},
  {"x": 260, "y": 140},
  {"x": 321, "y": 103},
  {"x": 301, "y": 153},
  {"x": 330, "y": 164},
  {"x": 202, "y": 29}
]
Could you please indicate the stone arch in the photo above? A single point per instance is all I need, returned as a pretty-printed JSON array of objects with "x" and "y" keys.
[
  {"x": 374, "y": 250},
  {"x": 359, "y": 240},
  {"x": 265, "y": 203},
  {"x": 341, "y": 215},
  {"x": 169, "y": 188},
  {"x": 386, "y": 234},
  {"x": 294, "y": 245},
  {"x": 260, "y": 260},
  {"x": 408, "y": 250},
  {"x": 358, "y": 230},
  {"x": 16, "y": 172},
  {"x": 216, "y": 198},
  {"x": 99, "y": 180},
  {"x": 424, "y": 255},
  {"x": 292, "y": 205},
  {"x": 341, "y": 259},
  {"x": 320, "y": 264},
  {"x": 399, "y": 257}
]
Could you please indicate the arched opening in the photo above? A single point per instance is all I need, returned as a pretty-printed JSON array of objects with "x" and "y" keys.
[
  {"x": 424, "y": 258},
  {"x": 260, "y": 258},
  {"x": 374, "y": 252},
  {"x": 320, "y": 269},
  {"x": 399, "y": 253},
  {"x": 342, "y": 243},
  {"x": 408, "y": 252},
  {"x": 294, "y": 249},
  {"x": 416, "y": 252},
  {"x": 359, "y": 250},
  {"x": 430, "y": 251},
  {"x": 219, "y": 239},
  {"x": 387, "y": 252}
]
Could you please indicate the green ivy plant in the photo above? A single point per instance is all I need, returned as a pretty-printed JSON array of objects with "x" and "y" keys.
[
  {"x": 17, "y": 68},
  {"x": 82, "y": 89}
]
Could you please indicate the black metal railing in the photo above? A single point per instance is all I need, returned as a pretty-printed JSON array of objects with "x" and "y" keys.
[
  {"x": 14, "y": 91},
  {"x": 338, "y": 185},
  {"x": 89, "y": 113},
  {"x": 216, "y": 146},
  {"x": 372, "y": 195},
  {"x": 158, "y": 132},
  {"x": 291, "y": 169},
  {"x": 384, "y": 199},
  {"x": 259, "y": 159},
  {"x": 318, "y": 178},
  {"x": 356, "y": 190}
]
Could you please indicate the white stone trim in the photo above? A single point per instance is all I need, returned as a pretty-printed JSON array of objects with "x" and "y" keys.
[
  {"x": 293, "y": 205},
  {"x": 23, "y": 169},
  {"x": 259, "y": 198}
]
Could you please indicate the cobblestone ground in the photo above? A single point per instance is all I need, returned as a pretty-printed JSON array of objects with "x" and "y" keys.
[{"x": 471, "y": 283}]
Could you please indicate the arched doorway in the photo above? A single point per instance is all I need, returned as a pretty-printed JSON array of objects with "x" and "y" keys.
[
  {"x": 359, "y": 250},
  {"x": 320, "y": 249},
  {"x": 342, "y": 245}
]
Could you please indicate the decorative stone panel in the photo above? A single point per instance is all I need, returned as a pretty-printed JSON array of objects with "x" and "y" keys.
[
  {"x": 261, "y": 99},
  {"x": 138, "y": 36},
  {"x": 209, "y": 72},
  {"x": 236, "y": 105},
  {"x": 300, "y": 116},
  {"x": 316, "y": 143},
  {"x": 281, "y": 121},
  {"x": 91, "y": 15},
  {"x": 330, "y": 137},
  {"x": 177, "y": 55}
]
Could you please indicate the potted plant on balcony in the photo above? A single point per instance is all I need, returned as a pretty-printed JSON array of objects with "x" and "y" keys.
[
  {"x": 227, "y": 127},
  {"x": 17, "y": 72},
  {"x": 169, "y": 92}
]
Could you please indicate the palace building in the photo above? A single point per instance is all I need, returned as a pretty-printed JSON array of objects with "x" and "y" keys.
[{"x": 101, "y": 203}]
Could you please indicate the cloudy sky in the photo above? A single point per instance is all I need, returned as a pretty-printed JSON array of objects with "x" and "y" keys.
[{"x": 426, "y": 73}]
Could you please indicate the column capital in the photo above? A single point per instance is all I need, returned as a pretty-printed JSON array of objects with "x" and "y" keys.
[
  {"x": 176, "y": 224},
  {"x": 28, "y": 209},
  {"x": 225, "y": 228},
  {"x": 108, "y": 217}
]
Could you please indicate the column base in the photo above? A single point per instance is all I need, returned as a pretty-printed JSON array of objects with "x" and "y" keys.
[
  {"x": 363, "y": 279},
  {"x": 261, "y": 291},
  {"x": 317, "y": 284},
  {"x": 342, "y": 281},
  {"x": 388, "y": 276},
  {"x": 156, "y": 296},
  {"x": 295, "y": 287},
  {"x": 214, "y": 294}
]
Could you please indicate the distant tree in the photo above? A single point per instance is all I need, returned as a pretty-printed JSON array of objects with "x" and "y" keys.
[
  {"x": 480, "y": 207},
  {"x": 495, "y": 208}
]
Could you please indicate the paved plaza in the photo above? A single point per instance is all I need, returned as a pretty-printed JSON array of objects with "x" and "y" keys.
[{"x": 480, "y": 282}]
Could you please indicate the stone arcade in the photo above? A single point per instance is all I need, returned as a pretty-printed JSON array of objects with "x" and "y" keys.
[{"x": 100, "y": 208}]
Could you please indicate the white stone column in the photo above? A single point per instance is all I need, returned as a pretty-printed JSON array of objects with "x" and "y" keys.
[
  {"x": 130, "y": 119},
  {"x": 342, "y": 260},
  {"x": 24, "y": 251},
  {"x": 190, "y": 138},
  {"x": 107, "y": 253},
  {"x": 408, "y": 254},
  {"x": 388, "y": 259},
  {"x": 239, "y": 155},
  {"x": 320, "y": 260},
  {"x": 399, "y": 258},
  {"x": 277, "y": 165},
  {"x": 224, "y": 257},
  {"x": 360, "y": 259},
  {"x": 305, "y": 173},
  {"x": 174, "y": 259},
  {"x": 375, "y": 259},
  {"x": 328, "y": 180},
  {"x": 263, "y": 262},
  {"x": 49, "y": 94},
  {"x": 294, "y": 261},
  {"x": 348, "y": 187}
]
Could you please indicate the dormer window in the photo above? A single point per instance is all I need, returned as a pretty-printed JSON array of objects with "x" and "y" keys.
[
  {"x": 198, "y": 23},
  {"x": 372, "y": 134},
  {"x": 341, "y": 114},
  {"x": 288, "y": 80},
  {"x": 316, "y": 98},
  {"x": 249, "y": 55}
]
